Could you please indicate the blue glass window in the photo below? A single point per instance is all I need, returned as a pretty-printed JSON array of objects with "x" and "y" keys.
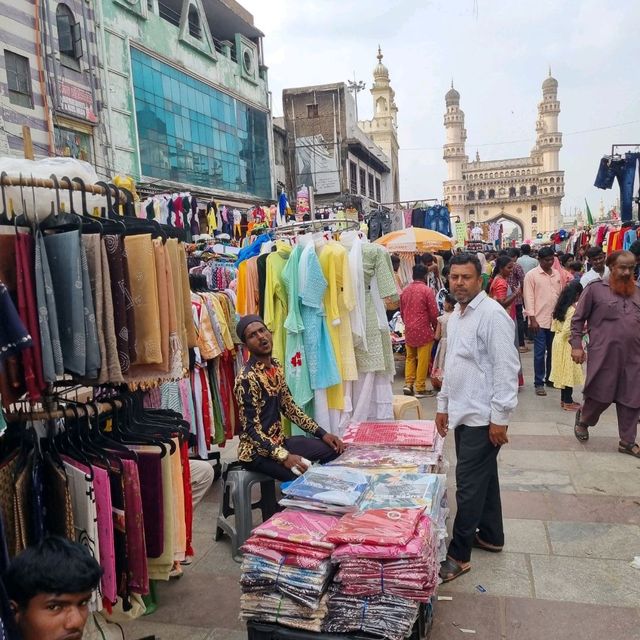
[{"x": 190, "y": 132}]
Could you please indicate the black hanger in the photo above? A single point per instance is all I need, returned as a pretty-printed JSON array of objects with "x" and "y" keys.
[
  {"x": 109, "y": 225},
  {"x": 58, "y": 219},
  {"x": 90, "y": 224},
  {"x": 134, "y": 225},
  {"x": 4, "y": 215}
]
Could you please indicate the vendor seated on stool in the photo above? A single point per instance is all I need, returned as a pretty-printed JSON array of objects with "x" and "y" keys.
[{"x": 262, "y": 395}]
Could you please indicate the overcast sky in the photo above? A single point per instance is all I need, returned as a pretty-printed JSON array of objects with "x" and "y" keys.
[{"x": 498, "y": 52}]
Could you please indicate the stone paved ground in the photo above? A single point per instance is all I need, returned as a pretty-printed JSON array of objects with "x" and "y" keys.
[{"x": 572, "y": 519}]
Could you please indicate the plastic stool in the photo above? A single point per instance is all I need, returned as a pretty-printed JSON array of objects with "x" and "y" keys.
[
  {"x": 236, "y": 501},
  {"x": 402, "y": 404}
]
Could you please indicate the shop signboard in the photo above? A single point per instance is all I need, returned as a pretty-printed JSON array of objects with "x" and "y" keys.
[
  {"x": 317, "y": 165},
  {"x": 76, "y": 101}
]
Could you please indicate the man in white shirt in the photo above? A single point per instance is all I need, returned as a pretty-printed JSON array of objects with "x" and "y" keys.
[
  {"x": 599, "y": 270},
  {"x": 479, "y": 393},
  {"x": 526, "y": 260}
]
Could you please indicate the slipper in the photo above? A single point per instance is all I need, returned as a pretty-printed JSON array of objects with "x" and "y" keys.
[
  {"x": 582, "y": 436},
  {"x": 629, "y": 449},
  {"x": 485, "y": 546},
  {"x": 450, "y": 570}
]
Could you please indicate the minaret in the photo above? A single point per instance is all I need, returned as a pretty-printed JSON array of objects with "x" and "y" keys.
[
  {"x": 548, "y": 145},
  {"x": 454, "y": 154},
  {"x": 383, "y": 127}
]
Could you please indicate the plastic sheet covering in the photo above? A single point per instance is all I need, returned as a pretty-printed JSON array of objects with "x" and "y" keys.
[
  {"x": 376, "y": 526},
  {"x": 405, "y": 433}
]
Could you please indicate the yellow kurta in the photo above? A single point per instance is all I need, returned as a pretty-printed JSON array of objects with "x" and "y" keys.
[
  {"x": 275, "y": 299},
  {"x": 564, "y": 371},
  {"x": 339, "y": 300}
]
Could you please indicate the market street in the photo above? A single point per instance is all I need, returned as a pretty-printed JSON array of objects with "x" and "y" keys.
[{"x": 572, "y": 524}]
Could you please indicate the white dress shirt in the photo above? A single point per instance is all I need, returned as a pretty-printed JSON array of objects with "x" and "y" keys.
[
  {"x": 592, "y": 276},
  {"x": 481, "y": 365}
]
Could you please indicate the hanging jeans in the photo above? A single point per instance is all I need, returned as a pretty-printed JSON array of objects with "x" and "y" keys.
[
  {"x": 379, "y": 224},
  {"x": 624, "y": 171},
  {"x": 542, "y": 342}
]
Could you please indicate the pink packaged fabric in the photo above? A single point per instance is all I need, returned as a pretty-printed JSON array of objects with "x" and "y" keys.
[
  {"x": 290, "y": 547},
  {"x": 302, "y": 560},
  {"x": 299, "y": 527},
  {"x": 405, "y": 433},
  {"x": 376, "y": 526},
  {"x": 415, "y": 548}
]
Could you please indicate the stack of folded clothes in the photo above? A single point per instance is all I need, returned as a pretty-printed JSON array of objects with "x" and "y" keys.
[
  {"x": 387, "y": 557},
  {"x": 286, "y": 570},
  {"x": 409, "y": 459},
  {"x": 404, "y": 433},
  {"x": 329, "y": 489}
]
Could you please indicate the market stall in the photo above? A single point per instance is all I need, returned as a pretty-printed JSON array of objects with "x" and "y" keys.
[{"x": 357, "y": 550}]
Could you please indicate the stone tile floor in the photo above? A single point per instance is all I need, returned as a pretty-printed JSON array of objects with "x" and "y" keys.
[{"x": 572, "y": 521}]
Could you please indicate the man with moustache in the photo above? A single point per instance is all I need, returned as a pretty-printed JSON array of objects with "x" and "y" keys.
[
  {"x": 263, "y": 395},
  {"x": 611, "y": 310},
  {"x": 479, "y": 394}
]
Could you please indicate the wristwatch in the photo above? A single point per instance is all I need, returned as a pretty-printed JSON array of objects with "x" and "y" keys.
[{"x": 281, "y": 454}]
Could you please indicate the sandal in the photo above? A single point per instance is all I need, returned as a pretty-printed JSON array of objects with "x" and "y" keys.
[
  {"x": 478, "y": 543},
  {"x": 540, "y": 391},
  {"x": 570, "y": 406},
  {"x": 628, "y": 448},
  {"x": 582, "y": 436},
  {"x": 450, "y": 569}
]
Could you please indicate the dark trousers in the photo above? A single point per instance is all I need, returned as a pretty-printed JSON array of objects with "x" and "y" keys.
[
  {"x": 566, "y": 395},
  {"x": 312, "y": 449},
  {"x": 477, "y": 492},
  {"x": 628, "y": 418},
  {"x": 522, "y": 328},
  {"x": 542, "y": 342}
]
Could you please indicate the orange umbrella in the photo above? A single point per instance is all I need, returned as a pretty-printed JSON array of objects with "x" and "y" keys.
[{"x": 415, "y": 239}]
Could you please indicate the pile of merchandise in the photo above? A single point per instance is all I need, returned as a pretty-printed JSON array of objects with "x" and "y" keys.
[
  {"x": 333, "y": 490},
  {"x": 286, "y": 570},
  {"x": 370, "y": 567}
]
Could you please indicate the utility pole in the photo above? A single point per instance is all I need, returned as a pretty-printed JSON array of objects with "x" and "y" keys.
[{"x": 355, "y": 87}]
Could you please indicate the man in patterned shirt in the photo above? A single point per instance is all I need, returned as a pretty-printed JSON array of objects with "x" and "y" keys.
[{"x": 263, "y": 395}]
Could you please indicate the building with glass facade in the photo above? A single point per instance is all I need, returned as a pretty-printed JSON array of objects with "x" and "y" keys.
[
  {"x": 192, "y": 133},
  {"x": 188, "y": 101}
]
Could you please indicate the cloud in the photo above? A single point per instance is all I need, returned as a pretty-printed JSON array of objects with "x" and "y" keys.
[{"x": 498, "y": 54}]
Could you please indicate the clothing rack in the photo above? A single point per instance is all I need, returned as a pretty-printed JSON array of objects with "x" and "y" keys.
[
  {"x": 410, "y": 204},
  {"x": 314, "y": 225},
  {"x": 628, "y": 147},
  {"x": 48, "y": 183},
  {"x": 53, "y": 414}
]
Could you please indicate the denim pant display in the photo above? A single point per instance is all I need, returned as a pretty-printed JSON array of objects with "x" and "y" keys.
[
  {"x": 379, "y": 224},
  {"x": 542, "y": 342},
  {"x": 624, "y": 171}
]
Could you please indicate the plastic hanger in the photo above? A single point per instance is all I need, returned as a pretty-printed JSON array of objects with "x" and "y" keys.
[
  {"x": 59, "y": 219},
  {"x": 4, "y": 215}
]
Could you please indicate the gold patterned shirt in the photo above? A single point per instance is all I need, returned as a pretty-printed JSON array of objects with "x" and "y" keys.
[{"x": 263, "y": 395}]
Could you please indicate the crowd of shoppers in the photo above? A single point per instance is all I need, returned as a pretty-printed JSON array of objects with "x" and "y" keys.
[{"x": 476, "y": 312}]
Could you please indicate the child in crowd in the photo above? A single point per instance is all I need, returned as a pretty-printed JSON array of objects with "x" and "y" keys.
[
  {"x": 576, "y": 268},
  {"x": 565, "y": 373},
  {"x": 441, "y": 337}
]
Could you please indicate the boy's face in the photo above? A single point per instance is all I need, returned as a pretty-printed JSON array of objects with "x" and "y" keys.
[{"x": 54, "y": 616}]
